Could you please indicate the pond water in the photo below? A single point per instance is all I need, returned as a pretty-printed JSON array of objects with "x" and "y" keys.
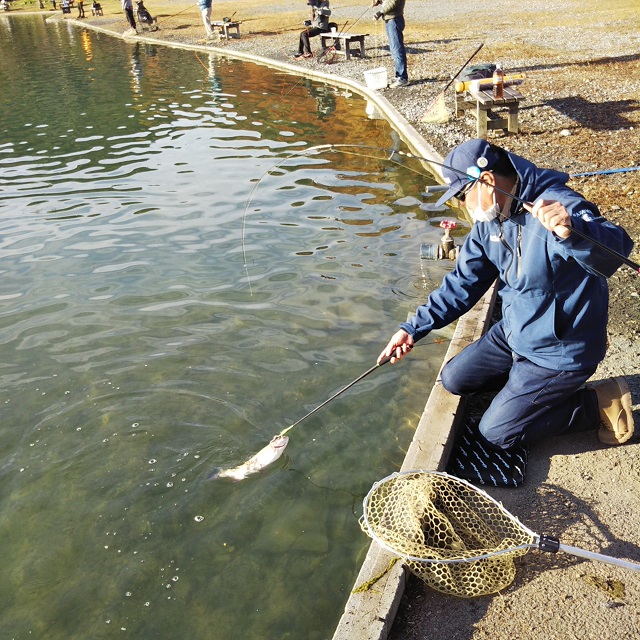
[{"x": 181, "y": 281}]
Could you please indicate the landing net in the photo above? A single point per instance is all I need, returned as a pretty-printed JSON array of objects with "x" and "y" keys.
[{"x": 452, "y": 535}]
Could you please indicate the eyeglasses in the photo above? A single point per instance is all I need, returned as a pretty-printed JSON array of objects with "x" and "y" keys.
[{"x": 462, "y": 194}]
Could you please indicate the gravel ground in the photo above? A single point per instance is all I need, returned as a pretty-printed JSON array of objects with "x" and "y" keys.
[{"x": 581, "y": 113}]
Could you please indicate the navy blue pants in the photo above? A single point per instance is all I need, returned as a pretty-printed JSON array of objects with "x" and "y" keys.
[
  {"x": 395, "y": 29},
  {"x": 532, "y": 402}
]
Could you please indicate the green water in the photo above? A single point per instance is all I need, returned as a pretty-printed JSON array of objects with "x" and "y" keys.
[{"x": 173, "y": 293}]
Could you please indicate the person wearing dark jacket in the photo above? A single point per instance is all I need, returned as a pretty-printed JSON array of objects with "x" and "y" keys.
[
  {"x": 392, "y": 12},
  {"x": 127, "y": 7},
  {"x": 318, "y": 24},
  {"x": 553, "y": 286}
]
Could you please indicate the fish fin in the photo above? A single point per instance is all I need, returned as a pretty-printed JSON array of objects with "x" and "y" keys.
[{"x": 235, "y": 474}]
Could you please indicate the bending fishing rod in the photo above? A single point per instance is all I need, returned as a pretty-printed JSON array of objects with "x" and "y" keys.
[
  {"x": 272, "y": 451},
  {"x": 527, "y": 205},
  {"x": 357, "y": 20},
  {"x": 604, "y": 172}
]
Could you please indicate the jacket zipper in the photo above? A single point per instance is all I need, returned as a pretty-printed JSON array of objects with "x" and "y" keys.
[
  {"x": 519, "y": 252},
  {"x": 509, "y": 249}
]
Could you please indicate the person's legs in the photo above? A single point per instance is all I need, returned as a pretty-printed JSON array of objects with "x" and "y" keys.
[
  {"x": 304, "y": 48},
  {"x": 532, "y": 402},
  {"x": 482, "y": 366},
  {"x": 206, "y": 19},
  {"x": 130, "y": 18},
  {"x": 395, "y": 28},
  {"x": 537, "y": 403},
  {"x": 305, "y": 45}
]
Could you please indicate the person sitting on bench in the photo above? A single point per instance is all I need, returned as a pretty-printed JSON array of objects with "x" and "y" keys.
[{"x": 318, "y": 24}]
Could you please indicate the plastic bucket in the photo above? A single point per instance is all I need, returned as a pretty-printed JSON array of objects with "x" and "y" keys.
[{"x": 376, "y": 78}]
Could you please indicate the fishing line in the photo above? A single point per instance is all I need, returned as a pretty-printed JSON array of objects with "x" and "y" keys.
[
  {"x": 342, "y": 148},
  {"x": 580, "y": 234},
  {"x": 302, "y": 153}
]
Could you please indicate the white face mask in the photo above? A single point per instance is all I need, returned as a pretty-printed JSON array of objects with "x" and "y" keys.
[{"x": 485, "y": 215}]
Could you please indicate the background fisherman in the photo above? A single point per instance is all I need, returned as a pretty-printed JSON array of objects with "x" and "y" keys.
[
  {"x": 318, "y": 24},
  {"x": 127, "y": 7},
  {"x": 554, "y": 292},
  {"x": 392, "y": 12},
  {"x": 205, "y": 10}
]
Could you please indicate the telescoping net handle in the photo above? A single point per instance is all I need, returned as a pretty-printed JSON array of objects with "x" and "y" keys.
[{"x": 452, "y": 535}]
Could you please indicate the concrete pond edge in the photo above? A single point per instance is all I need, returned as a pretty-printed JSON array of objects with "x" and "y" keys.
[{"x": 369, "y": 613}]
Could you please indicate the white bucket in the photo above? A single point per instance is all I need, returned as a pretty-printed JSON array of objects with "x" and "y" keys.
[{"x": 376, "y": 78}]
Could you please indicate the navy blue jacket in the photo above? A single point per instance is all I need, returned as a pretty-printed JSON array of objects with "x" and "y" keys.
[{"x": 554, "y": 291}]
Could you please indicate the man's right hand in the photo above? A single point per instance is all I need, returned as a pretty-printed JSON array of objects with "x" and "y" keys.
[{"x": 399, "y": 346}]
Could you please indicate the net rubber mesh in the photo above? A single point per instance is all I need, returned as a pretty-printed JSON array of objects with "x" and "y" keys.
[{"x": 451, "y": 535}]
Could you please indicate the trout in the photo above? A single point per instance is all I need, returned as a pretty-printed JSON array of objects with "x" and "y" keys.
[{"x": 257, "y": 463}]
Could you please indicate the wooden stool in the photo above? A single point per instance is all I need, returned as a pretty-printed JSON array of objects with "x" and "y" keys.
[
  {"x": 342, "y": 43},
  {"x": 225, "y": 27},
  {"x": 484, "y": 102}
]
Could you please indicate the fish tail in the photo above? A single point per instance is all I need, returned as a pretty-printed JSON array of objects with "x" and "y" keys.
[{"x": 215, "y": 473}]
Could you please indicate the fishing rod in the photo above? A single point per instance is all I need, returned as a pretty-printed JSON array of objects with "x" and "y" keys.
[
  {"x": 433, "y": 102},
  {"x": 358, "y": 19},
  {"x": 604, "y": 172},
  {"x": 173, "y": 15},
  {"x": 338, "y": 393},
  {"x": 527, "y": 205},
  {"x": 272, "y": 451},
  {"x": 436, "y": 188}
]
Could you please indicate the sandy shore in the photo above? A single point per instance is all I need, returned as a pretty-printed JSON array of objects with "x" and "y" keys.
[{"x": 581, "y": 113}]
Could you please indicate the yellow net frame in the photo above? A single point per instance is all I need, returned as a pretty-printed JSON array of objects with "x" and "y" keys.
[{"x": 452, "y": 535}]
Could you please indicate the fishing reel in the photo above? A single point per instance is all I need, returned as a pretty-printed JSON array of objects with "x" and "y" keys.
[{"x": 447, "y": 249}]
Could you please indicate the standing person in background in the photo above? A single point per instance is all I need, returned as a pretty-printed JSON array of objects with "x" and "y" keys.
[
  {"x": 80, "y": 9},
  {"x": 127, "y": 7},
  {"x": 318, "y": 24},
  {"x": 392, "y": 12},
  {"x": 205, "y": 10}
]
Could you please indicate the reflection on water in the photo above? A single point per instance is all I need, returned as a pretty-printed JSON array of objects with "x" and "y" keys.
[{"x": 178, "y": 286}]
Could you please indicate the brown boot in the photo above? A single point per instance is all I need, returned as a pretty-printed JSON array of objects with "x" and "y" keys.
[{"x": 614, "y": 404}]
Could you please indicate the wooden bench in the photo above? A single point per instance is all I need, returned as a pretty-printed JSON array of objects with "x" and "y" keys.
[
  {"x": 341, "y": 43},
  {"x": 225, "y": 27},
  {"x": 481, "y": 99}
]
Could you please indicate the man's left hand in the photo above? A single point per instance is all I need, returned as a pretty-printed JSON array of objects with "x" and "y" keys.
[{"x": 553, "y": 216}]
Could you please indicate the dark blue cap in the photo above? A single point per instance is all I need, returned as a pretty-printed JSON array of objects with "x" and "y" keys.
[{"x": 465, "y": 164}]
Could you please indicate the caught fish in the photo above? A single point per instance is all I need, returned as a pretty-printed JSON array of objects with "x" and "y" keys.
[{"x": 262, "y": 459}]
